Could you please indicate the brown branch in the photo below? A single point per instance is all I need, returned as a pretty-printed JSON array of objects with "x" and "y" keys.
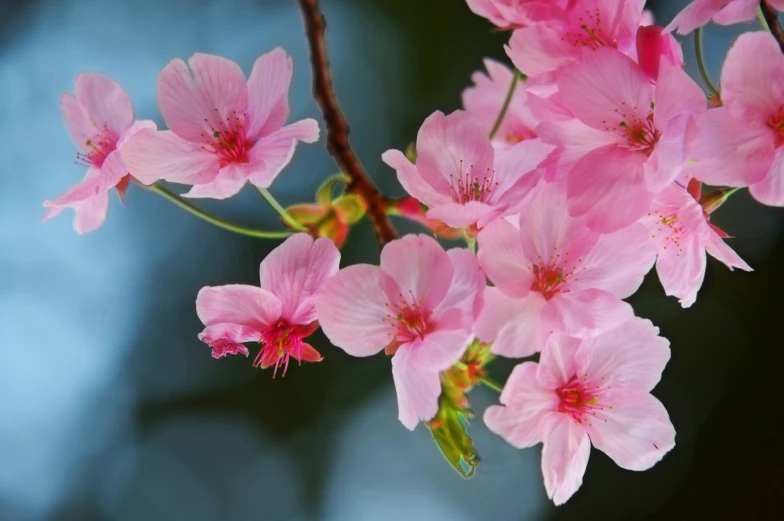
[
  {"x": 337, "y": 127},
  {"x": 772, "y": 19}
]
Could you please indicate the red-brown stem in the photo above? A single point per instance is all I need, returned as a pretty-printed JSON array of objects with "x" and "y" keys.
[
  {"x": 337, "y": 127},
  {"x": 772, "y": 19}
]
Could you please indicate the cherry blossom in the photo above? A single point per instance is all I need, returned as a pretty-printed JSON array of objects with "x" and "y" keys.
[
  {"x": 280, "y": 313},
  {"x": 723, "y": 12},
  {"x": 458, "y": 175},
  {"x": 223, "y": 132},
  {"x": 99, "y": 119},
  {"x": 419, "y": 306},
  {"x": 740, "y": 143},
  {"x": 628, "y": 139},
  {"x": 587, "y": 392},
  {"x": 509, "y": 14},
  {"x": 554, "y": 274}
]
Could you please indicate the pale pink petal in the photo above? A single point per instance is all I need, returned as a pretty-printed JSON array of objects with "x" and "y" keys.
[
  {"x": 731, "y": 151},
  {"x": 608, "y": 188},
  {"x": 681, "y": 269},
  {"x": 194, "y": 107},
  {"x": 636, "y": 432},
  {"x": 270, "y": 155},
  {"x": 417, "y": 389},
  {"x": 268, "y": 93},
  {"x": 412, "y": 182},
  {"x": 420, "y": 267},
  {"x": 230, "y": 180},
  {"x": 79, "y": 126},
  {"x": 296, "y": 271},
  {"x": 501, "y": 256},
  {"x": 227, "y": 339},
  {"x": 632, "y": 356},
  {"x": 617, "y": 263},
  {"x": 353, "y": 311},
  {"x": 696, "y": 14},
  {"x": 438, "y": 350},
  {"x": 605, "y": 88},
  {"x": 539, "y": 49},
  {"x": 556, "y": 363},
  {"x": 97, "y": 181},
  {"x": 737, "y": 11},
  {"x": 523, "y": 390},
  {"x": 720, "y": 251},
  {"x": 564, "y": 457},
  {"x": 676, "y": 93},
  {"x": 154, "y": 155},
  {"x": 770, "y": 189},
  {"x": 752, "y": 78},
  {"x": 105, "y": 103},
  {"x": 584, "y": 313},
  {"x": 668, "y": 160},
  {"x": 513, "y": 326},
  {"x": 488, "y": 9},
  {"x": 574, "y": 139},
  {"x": 514, "y": 168},
  {"x": 468, "y": 282},
  {"x": 90, "y": 213},
  {"x": 457, "y": 215},
  {"x": 449, "y": 147},
  {"x": 238, "y": 304}
]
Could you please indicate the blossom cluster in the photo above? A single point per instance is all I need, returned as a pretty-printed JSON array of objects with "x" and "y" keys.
[{"x": 568, "y": 184}]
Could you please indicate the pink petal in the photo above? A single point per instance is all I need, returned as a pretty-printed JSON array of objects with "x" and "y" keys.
[
  {"x": 650, "y": 46},
  {"x": 720, "y": 251},
  {"x": 618, "y": 262},
  {"x": 513, "y": 326},
  {"x": 90, "y": 213},
  {"x": 556, "y": 363},
  {"x": 696, "y": 14},
  {"x": 737, "y": 11},
  {"x": 681, "y": 269},
  {"x": 457, "y": 215},
  {"x": 731, "y": 151},
  {"x": 514, "y": 170},
  {"x": 105, "y": 103},
  {"x": 668, "y": 160},
  {"x": 607, "y": 187},
  {"x": 97, "y": 182},
  {"x": 412, "y": 182},
  {"x": 79, "y": 126},
  {"x": 353, "y": 310},
  {"x": 139, "y": 124},
  {"x": 237, "y": 304},
  {"x": 752, "y": 79},
  {"x": 564, "y": 457},
  {"x": 770, "y": 189},
  {"x": 417, "y": 389},
  {"x": 230, "y": 180},
  {"x": 227, "y": 339},
  {"x": 488, "y": 9},
  {"x": 637, "y": 431},
  {"x": 270, "y": 155},
  {"x": 605, "y": 88},
  {"x": 523, "y": 390},
  {"x": 632, "y": 356},
  {"x": 501, "y": 256},
  {"x": 449, "y": 147},
  {"x": 296, "y": 271},
  {"x": 420, "y": 268},
  {"x": 438, "y": 350},
  {"x": 676, "y": 94},
  {"x": 194, "y": 107},
  {"x": 585, "y": 313},
  {"x": 152, "y": 156},
  {"x": 539, "y": 49},
  {"x": 574, "y": 139},
  {"x": 268, "y": 93},
  {"x": 468, "y": 282}
]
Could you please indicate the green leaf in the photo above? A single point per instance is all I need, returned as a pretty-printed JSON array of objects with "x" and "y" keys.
[
  {"x": 324, "y": 193},
  {"x": 449, "y": 432}
]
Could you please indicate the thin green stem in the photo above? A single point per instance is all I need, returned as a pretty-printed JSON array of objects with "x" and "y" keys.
[
  {"x": 500, "y": 119},
  {"x": 226, "y": 225},
  {"x": 700, "y": 62},
  {"x": 282, "y": 211},
  {"x": 490, "y": 383},
  {"x": 761, "y": 18}
]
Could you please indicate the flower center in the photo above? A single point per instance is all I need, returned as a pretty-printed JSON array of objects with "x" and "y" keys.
[
  {"x": 553, "y": 275},
  {"x": 469, "y": 187},
  {"x": 97, "y": 148},
  {"x": 776, "y": 123},
  {"x": 641, "y": 135},
  {"x": 577, "y": 399},
  {"x": 410, "y": 320},
  {"x": 280, "y": 342},
  {"x": 588, "y": 31},
  {"x": 668, "y": 229},
  {"x": 229, "y": 142}
]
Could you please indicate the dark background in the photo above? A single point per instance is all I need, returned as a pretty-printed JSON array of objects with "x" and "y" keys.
[{"x": 111, "y": 409}]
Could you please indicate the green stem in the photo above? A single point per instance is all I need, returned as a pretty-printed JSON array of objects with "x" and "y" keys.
[
  {"x": 489, "y": 382},
  {"x": 517, "y": 77},
  {"x": 282, "y": 211},
  {"x": 761, "y": 18},
  {"x": 226, "y": 225},
  {"x": 700, "y": 63}
]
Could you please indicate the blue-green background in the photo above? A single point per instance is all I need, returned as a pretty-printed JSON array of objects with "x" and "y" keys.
[{"x": 111, "y": 409}]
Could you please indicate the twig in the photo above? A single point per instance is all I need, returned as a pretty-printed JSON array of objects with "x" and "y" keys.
[
  {"x": 701, "y": 64},
  {"x": 507, "y": 101},
  {"x": 337, "y": 127},
  {"x": 772, "y": 20}
]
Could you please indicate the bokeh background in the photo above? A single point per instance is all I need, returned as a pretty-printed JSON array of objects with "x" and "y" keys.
[{"x": 111, "y": 409}]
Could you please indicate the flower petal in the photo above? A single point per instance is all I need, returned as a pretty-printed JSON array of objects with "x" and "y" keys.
[
  {"x": 564, "y": 457},
  {"x": 296, "y": 271},
  {"x": 238, "y": 304},
  {"x": 412, "y": 182},
  {"x": 230, "y": 180},
  {"x": 720, "y": 251},
  {"x": 468, "y": 282},
  {"x": 502, "y": 259},
  {"x": 681, "y": 269},
  {"x": 417, "y": 389},
  {"x": 457, "y": 215},
  {"x": 227, "y": 339},
  {"x": 438, "y": 350},
  {"x": 154, "y": 155},
  {"x": 513, "y": 326},
  {"x": 585, "y": 313},
  {"x": 770, "y": 188},
  {"x": 268, "y": 93},
  {"x": 105, "y": 103},
  {"x": 272, "y": 153}
]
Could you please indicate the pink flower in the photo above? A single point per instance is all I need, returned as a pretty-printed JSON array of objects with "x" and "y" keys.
[
  {"x": 223, "y": 132},
  {"x": 420, "y": 305},
  {"x": 459, "y": 176},
  {"x": 723, "y": 12},
  {"x": 741, "y": 143},
  {"x": 554, "y": 275},
  {"x": 588, "y": 392},
  {"x": 484, "y": 101},
  {"x": 508, "y": 14},
  {"x": 629, "y": 138},
  {"x": 682, "y": 232},
  {"x": 590, "y": 25},
  {"x": 279, "y": 314},
  {"x": 100, "y": 121}
]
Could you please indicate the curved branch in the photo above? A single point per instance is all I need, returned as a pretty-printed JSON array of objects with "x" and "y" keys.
[
  {"x": 772, "y": 20},
  {"x": 337, "y": 127}
]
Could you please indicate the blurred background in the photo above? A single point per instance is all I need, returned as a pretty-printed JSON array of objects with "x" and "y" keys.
[{"x": 111, "y": 409}]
